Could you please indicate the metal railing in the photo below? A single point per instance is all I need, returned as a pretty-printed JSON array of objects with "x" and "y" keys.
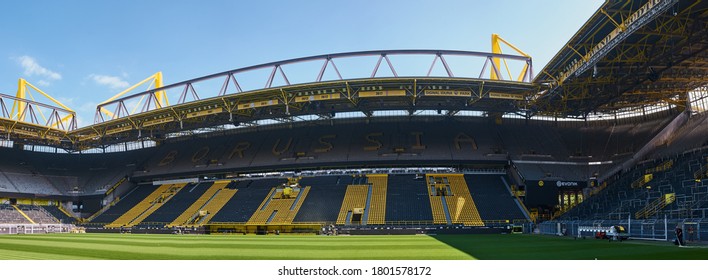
[
  {"x": 650, "y": 229},
  {"x": 35, "y": 228},
  {"x": 387, "y": 223}
]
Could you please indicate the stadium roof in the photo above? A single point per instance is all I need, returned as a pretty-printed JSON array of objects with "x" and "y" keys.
[
  {"x": 629, "y": 54},
  {"x": 148, "y": 115}
]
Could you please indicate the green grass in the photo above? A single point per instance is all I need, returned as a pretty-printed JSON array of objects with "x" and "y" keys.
[
  {"x": 534, "y": 247},
  {"x": 446, "y": 247}
]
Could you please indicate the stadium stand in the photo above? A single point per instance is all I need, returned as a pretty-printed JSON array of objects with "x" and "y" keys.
[
  {"x": 407, "y": 199},
  {"x": 554, "y": 152},
  {"x": 324, "y": 200},
  {"x": 377, "y": 201},
  {"x": 32, "y": 183},
  {"x": 9, "y": 214},
  {"x": 691, "y": 135},
  {"x": 243, "y": 204},
  {"x": 379, "y": 143},
  {"x": 20, "y": 210},
  {"x": 214, "y": 205},
  {"x": 6, "y": 185},
  {"x": 60, "y": 215},
  {"x": 87, "y": 174},
  {"x": 147, "y": 206},
  {"x": 461, "y": 208},
  {"x": 541, "y": 171},
  {"x": 492, "y": 198},
  {"x": 38, "y": 214},
  {"x": 127, "y": 202},
  {"x": 176, "y": 206},
  {"x": 570, "y": 143},
  {"x": 354, "y": 203},
  {"x": 625, "y": 196},
  {"x": 280, "y": 206},
  {"x": 441, "y": 215},
  {"x": 563, "y": 155},
  {"x": 206, "y": 192}
]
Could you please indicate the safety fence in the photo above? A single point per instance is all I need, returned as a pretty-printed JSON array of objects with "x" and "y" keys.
[
  {"x": 37, "y": 228},
  {"x": 649, "y": 229}
]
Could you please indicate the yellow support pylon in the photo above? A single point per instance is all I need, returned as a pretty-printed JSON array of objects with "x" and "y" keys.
[
  {"x": 496, "y": 49},
  {"x": 155, "y": 82},
  {"x": 23, "y": 91}
]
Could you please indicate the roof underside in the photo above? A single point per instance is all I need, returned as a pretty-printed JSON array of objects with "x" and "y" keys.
[
  {"x": 661, "y": 57},
  {"x": 416, "y": 94}
]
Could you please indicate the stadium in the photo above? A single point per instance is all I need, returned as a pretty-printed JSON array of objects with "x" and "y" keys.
[{"x": 382, "y": 154}]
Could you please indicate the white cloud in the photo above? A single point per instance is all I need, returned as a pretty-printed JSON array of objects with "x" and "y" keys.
[
  {"x": 32, "y": 68},
  {"x": 82, "y": 122},
  {"x": 43, "y": 83},
  {"x": 112, "y": 81}
]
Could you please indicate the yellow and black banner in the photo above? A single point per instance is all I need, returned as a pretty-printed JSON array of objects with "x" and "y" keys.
[
  {"x": 382, "y": 93},
  {"x": 258, "y": 104},
  {"x": 440, "y": 92},
  {"x": 501, "y": 95},
  {"x": 318, "y": 97}
]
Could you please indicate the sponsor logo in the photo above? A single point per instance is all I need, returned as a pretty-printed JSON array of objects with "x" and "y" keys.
[{"x": 566, "y": 184}]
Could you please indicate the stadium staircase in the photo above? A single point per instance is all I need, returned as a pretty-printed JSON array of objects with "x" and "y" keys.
[
  {"x": 116, "y": 185},
  {"x": 701, "y": 173},
  {"x": 661, "y": 167},
  {"x": 641, "y": 181},
  {"x": 23, "y": 214},
  {"x": 279, "y": 210},
  {"x": 655, "y": 206},
  {"x": 461, "y": 205},
  {"x": 620, "y": 199},
  {"x": 458, "y": 201},
  {"x": 103, "y": 209},
  {"x": 147, "y": 206},
  {"x": 63, "y": 211},
  {"x": 38, "y": 214},
  {"x": 188, "y": 215},
  {"x": 377, "y": 204},
  {"x": 441, "y": 214},
  {"x": 9, "y": 215},
  {"x": 120, "y": 205},
  {"x": 176, "y": 206},
  {"x": 250, "y": 195},
  {"x": 60, "y": 214},
  {"x": 206, "y": 206},
  {"x": 354, "y": 198}
]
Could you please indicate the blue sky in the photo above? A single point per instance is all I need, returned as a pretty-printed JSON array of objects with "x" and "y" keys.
[{"x": 83, "y": 52}]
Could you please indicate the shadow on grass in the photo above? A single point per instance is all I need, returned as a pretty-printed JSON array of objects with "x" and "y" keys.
[{"x": 535, "y": 247}]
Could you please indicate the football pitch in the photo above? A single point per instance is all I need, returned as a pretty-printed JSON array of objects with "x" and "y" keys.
[{"x": 289, "y": 247}]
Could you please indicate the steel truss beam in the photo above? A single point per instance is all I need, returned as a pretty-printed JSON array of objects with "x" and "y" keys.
[
  {"x": 324, "y": 99},
  {"x": 231, "y": 85},
  {"x": 659, "y": 61}
]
